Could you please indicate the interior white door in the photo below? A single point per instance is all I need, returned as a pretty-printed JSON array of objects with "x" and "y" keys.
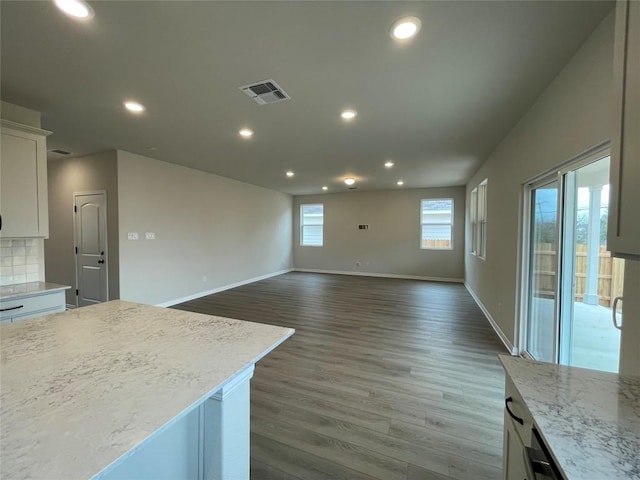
[{"x": 90, "y": 219}]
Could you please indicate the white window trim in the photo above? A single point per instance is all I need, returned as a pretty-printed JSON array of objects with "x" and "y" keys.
[
  {"x": 302, "y": 225},
  {"x": 481, "y": 247},
  {"x": 450, "y": 224},
  {"x": 473, "y": 208}
]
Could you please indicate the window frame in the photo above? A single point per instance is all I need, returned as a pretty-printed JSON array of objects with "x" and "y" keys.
[
  {"x": 302, "y": 224},
  {"x": 449, "y": 224}
]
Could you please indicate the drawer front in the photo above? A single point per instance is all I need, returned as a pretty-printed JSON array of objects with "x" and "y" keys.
[{"x": 33, "y": 305}]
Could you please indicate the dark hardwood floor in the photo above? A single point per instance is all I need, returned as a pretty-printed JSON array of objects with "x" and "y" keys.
[{"x": 384, "y": 379}]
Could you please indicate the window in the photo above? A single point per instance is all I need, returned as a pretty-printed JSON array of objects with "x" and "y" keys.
[
  {"x": 481, "y": 247},
  {"x": 473, "y": 208},
  {"x": 478, "y": 216},
  {"x": 436, "y": 219},
  {"x": 311, "y": 224}
]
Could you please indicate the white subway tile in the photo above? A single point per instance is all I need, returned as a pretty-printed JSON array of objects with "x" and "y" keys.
[
  {"x": 31, "y": 242},
  {"x": 22, "y": 278},
  {"x": 32, "y": 260},
  {"x": 32, "y": 250},
  {"x": 6, "y": 270},
  {"x": 6, "y": 252},
  {"x": 5, "y": 243},
  {"x": 17, "y": 251},
  {"x": 33, "y": 277},
  {"x": 6, "y": 261},
  {"x": 33, "y": 268},
  {"x": 19, "y": 270},
  {"x": 6, "y": 279},
  {"x": 19, "y": 260},
  {"x": 18, "y": 242}
]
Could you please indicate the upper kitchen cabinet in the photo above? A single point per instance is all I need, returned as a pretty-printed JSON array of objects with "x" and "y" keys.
[
  {"x": 624, "y": 225},
  {"x": 23, "y": 181}
]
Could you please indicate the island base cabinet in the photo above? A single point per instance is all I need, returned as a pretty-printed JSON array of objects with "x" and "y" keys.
[{"x": 210, "y": 442}]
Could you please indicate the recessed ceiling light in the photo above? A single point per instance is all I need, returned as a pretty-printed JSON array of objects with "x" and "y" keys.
[
  {"x": 400, "y": 182},
  {"x": 349, "y": 114},
  {"x": 405, "y": 27},
  {"x": 134, "y": 107},
  {"x": 349, "y": 181},
  {"x": 290, "y": 174},
  {"x": 75, "y": 8},
  {"x": 325, "y": 188},
  {"x": 388, "y": 164},
  {"x": 246, "y": 132}
]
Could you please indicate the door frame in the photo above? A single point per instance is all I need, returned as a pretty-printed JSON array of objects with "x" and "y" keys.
[
  {"x": 558, "y": 173},
  {"x": 106, "y": 235}
]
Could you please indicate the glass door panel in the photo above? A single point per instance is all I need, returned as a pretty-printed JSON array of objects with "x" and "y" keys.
[
  {"x": 543, "y": 273},
  {"x": 590, "y": 339}
]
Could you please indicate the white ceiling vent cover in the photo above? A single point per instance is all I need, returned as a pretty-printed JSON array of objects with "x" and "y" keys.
[{"x": 265, "y": 92}]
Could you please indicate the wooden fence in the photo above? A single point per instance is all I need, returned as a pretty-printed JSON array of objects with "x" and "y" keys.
[{"x": 610, "y": 273}]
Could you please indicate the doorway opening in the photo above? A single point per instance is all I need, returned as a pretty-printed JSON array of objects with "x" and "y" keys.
[{"x": 571, "y": 281}]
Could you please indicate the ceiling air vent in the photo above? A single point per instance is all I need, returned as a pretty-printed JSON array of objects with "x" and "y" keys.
[
  {"x": 265, "y": 92},
  {"x": 60, "y": 152}
]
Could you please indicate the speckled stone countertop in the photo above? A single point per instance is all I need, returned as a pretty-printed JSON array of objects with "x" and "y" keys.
[
  {"x": 590, "y": 420},
  {"x": 79, "y": 389},
  {"x": 32, "y": 288}
]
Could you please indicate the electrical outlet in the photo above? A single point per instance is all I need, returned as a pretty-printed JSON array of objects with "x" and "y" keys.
[
  {"x": 132, "y": 235},
  {"x": 150, "y": 236}
]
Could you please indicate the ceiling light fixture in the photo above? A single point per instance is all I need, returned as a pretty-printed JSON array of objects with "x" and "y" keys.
[
  {"x": 134, "y": 107},
  {"x": 400, "y": 182},
  {"x": 325, "y": 188},
  {"x": 388, "y": 164},
  {"x": 348, "y": 114},
  {"x": 405, "y": 28},
  {"x": 75, "y": 8},
  {"x": 349, "y": 181},
  {"x": 246, "y": 132},
  {"x": 290, "y": 174}
]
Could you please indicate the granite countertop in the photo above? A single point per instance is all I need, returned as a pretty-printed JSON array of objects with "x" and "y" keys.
[
  {"x": 79, "y": 389},
  {"x": 590, "y": 420},
  {"x": 32, "y": 288}
]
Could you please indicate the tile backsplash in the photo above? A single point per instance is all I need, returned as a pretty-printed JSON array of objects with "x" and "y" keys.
[{"x": 21, "y": 260}]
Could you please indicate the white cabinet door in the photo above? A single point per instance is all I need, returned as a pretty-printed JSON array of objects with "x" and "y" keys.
[
  {"x": 23, "y": 182},
  {"x": 514, "y": 453},
  {"x": 624, "y": 227}
]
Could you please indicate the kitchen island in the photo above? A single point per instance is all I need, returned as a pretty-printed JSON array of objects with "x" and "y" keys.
[
  {"x": 124, "y": 390},
  {"x": 588, "y": 420}
]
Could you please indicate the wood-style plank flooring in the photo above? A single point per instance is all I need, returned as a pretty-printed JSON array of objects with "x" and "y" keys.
[{"x": 384, "y": 379}]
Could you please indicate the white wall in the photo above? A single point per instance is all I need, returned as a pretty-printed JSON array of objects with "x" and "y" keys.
[
  {"x": 570, "y": 117},
  {"x": 205, "y": 226},
  {"x": 391, "y": 245}
]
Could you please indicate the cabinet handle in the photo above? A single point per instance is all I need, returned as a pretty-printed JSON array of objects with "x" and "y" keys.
[
  {"x": 614, "y": 312},
  {"x": 11, "y": 308},
  {"x": 515, "y": 417}
]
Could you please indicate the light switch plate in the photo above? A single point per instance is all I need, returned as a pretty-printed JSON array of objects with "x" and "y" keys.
[
  {"x": 132, "y": 235},
  {"x": 150, "y": 235}
]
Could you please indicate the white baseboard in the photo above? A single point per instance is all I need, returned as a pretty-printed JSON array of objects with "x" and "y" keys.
[
  {"x": 384, "y": 275},
  {"x": 221, "y": 289},
  {"x": 512, "y": 350}
]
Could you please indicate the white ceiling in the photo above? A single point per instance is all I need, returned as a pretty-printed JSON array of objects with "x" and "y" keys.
[{"x": 436, "y": 106}]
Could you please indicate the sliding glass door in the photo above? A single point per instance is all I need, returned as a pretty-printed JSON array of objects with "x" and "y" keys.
[
  {"x": 543, "y": 272},
  {"x": 572, "y": 280}
]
